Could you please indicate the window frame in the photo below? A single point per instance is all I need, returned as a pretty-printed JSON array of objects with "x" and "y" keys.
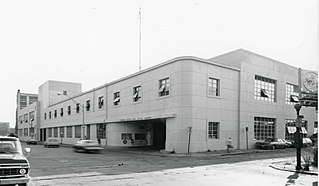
[
  {"x": 164, "y": 86},
  {"x": 210, "y": 86},
  {"x": 116, "y": 98},
  {"x": 137, "y": 97},
  {"x": 213, "y": 130}
]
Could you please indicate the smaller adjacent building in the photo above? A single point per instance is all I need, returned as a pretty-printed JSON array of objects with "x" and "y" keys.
[{"x": 4, "y": 128}]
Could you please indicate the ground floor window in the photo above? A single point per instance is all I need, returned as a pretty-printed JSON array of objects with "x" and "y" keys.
[
  {"x": 264, "y": 128},
  {"x": 55, "y": 132},
  {"x": 140, "y": 136},
  {"x": 78, "y": 131},
  {"x": 61, "y": 132},
  {"x": 50, "y": 132},
  {"x": 31, "y": 131},
  {"x": 291, "y": 129},
  {"x": 101, "y": 131},
  {"x": 25, "y": 132},
  {"x": 126, "y": 136},
  {"x": 20, "y": 132},
  {"x": 69, "y": 131},
  {"x": 213, "y": 130}
]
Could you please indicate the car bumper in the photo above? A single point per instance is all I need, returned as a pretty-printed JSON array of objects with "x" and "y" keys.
[{"x": 13, "y": 181}]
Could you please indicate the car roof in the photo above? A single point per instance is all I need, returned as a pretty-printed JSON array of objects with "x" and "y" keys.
[{"x": 9, "y": 138}]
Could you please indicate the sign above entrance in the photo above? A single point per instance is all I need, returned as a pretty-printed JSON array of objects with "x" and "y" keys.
[{"x": 146, "y": 118}]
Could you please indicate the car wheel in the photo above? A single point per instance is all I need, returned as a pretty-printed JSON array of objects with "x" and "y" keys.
[{"x": 273, "y": 147}]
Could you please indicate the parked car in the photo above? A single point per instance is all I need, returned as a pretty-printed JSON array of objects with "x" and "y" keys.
[
  {"x": 270, "y": 143},
  {"x": 314, "y": 138},
  {"x": 32, "y": 141},
  {"x": 14, "y": 166},
  {"x": 289, "y": 144},
  {"x": 51, "y": 142},
  {"x": 306, "y": 142},
  {"x": 87, "y": 146}
]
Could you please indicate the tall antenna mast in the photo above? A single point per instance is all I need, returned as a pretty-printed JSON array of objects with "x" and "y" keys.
[{"x": 140, "y": 38}]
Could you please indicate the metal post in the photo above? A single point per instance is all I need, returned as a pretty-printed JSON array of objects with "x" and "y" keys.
[
  {"x": 247, "y": 137},
  {"x": 189, "y": 138},
  {"x": 298, "y": 140},
  {"x": 83, "y": 126}
]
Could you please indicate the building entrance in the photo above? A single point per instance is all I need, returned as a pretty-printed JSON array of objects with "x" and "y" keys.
[{"x": 159, "y": 133}]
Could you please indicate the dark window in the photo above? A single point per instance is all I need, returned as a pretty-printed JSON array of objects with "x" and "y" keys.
[
  {"x": 61, "y": 112},
  {"x": 100, "y": 102},
  {"x": 137, "y": 93},
  {"x": 164, "y": 87},
  {"x": 88, "y": 105},
  {"x": 116, "y": 98}
]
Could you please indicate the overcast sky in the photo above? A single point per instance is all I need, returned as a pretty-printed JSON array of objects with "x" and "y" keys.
[{"x": 94, "y": 42}]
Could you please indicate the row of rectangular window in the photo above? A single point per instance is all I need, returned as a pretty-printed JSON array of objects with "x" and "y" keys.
[
  {"x": 53, "y": 132},
  {"x": 77, "y": 108}
]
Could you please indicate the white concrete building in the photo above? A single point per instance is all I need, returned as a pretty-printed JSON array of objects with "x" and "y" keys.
[{"x": 184, "y": 104}]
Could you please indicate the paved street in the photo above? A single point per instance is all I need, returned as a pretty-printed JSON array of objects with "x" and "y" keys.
[
  {"x": 54, "y": 161},
  {"x": 62, "y": 166},
  {"x": 244, "y": 173}
]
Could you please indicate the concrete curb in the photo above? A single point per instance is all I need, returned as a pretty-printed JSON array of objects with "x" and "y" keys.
[{"x": 296, "y": 171}]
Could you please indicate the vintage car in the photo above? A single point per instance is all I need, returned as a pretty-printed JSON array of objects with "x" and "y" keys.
[
  {"x": 271, "y": 143},
  {"x": 87, "y": 146},
  {"x": 51, "y": 142},
  {"x": 14, "y": 166},
  {"x": 32, "y": 141}
]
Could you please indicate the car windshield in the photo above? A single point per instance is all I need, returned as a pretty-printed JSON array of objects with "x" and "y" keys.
[
  {"x": 269, "y": 140},
  {"x": 10, "y": 146}
]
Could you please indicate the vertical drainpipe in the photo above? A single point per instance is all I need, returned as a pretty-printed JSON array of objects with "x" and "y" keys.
[
  {"x": 106, "y": 109},
  {"x": 239, "y": 111}
]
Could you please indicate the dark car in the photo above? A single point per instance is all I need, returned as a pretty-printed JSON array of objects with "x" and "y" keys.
[
  {"x": 314, "y": 138},
  {"x": 32, "y": 141},
  {"x": 271, "y": 143},
  {"x": 87, "y": 146},
  {"x": 14, "y": 166},
  {"x": 51, "y": 142}
]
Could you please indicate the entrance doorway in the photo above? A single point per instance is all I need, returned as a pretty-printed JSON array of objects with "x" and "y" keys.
[{"x": 159, "y": 133}]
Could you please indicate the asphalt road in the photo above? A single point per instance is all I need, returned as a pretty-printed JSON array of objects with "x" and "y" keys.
[{"x": 63, "y": 160}]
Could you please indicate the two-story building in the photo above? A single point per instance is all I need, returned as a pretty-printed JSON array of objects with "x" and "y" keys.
[{"x": 184, "y": 104}]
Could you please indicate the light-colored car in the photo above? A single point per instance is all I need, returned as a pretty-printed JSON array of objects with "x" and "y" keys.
[
  {"x": 271, "y": 143},
  {"x": 51, "y": 142},
  {"x": 87, "y": 146}
]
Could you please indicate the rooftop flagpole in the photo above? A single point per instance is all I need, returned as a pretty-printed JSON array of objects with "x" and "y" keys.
[{"x": 140, "y": 38}]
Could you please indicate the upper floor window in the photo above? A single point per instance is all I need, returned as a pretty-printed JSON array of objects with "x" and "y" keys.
[
  {"x": 55, "y": 113},
  {"x": 45, "y": 116},
  {"x": 100, "y": 102},
  {"x": 20, "y": 119},
  {"x": 163, "y": 89},
  {"x": 116, "y": 98},
  {"x": 31, "y": 115},
  {"x": 61, "y": 112},
  {"x": 136, "y": 93},
  {"x": 49, "y": 114},
  {"x": 292, "y": 94},
  {"x": 77, "y": 109},
  {"x": 265, "y": 89},
  {"x": 213, "y": 87},
  {"x": 88, "y": 105},
  {"x": 69, "y": 110},
  {"x": 25, "y": 117}
]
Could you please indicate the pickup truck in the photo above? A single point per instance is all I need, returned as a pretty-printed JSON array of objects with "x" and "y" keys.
[{"x": 14, "y": 166}]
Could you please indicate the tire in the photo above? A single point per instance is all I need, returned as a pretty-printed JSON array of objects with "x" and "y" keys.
[{"x": 272, "y": 147}]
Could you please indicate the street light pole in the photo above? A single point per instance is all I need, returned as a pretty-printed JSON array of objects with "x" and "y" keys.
[{"x": 298, "y": 138}]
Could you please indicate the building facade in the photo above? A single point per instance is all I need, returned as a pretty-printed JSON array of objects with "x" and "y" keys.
[{"x": 184, "y": 104}]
